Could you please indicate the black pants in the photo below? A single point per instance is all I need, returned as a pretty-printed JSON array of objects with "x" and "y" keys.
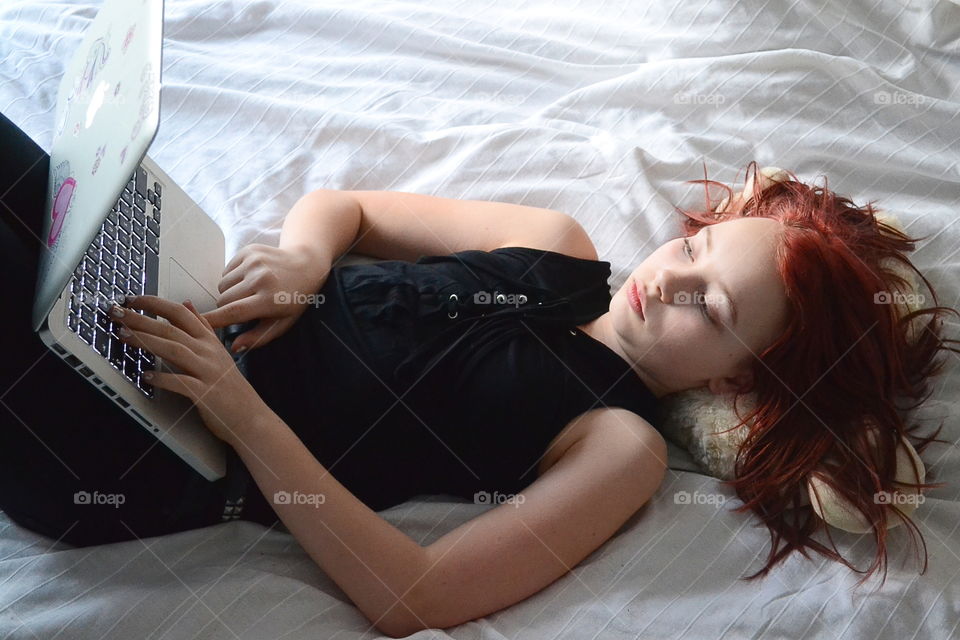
[{"x": 73, "y": 465}]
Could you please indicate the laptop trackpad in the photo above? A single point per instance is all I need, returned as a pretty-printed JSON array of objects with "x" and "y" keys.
[{"x": 182, "y": 286}]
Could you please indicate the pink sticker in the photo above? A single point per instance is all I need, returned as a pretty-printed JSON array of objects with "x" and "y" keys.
[
  {"x": 126, "y": 40},
  {"x": 60, "y": 206},
  {"x": 99, "y": 157}
]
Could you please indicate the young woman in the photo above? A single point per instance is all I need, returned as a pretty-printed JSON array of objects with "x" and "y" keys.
[{"x": 485, "y": 358}]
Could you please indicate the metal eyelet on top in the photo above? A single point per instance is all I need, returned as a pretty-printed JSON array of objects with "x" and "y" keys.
[{"x": 453, "y": 298}]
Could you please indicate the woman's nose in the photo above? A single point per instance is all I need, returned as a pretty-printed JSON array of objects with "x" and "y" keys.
[{"x": 673, "y": 282}]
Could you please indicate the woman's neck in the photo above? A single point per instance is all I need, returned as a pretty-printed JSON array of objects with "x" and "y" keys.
[{"x": 600, "y": 330}]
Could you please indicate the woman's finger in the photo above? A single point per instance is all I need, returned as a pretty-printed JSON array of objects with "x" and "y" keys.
[
  {"x": 206, "y": 323},
  {"x": 230, "y": 278},
  {"x": 145, "y": 324},
  {"x": 243, "y": 310},
  {"x": 237, "y": 259},
  {"x": 265, "y": 331},
  {"x": 177, "y": 382},
  {"x": 177, "y": 314},
  {"x": 176, "y": 353},
  {"x": 238, "y": 291}
]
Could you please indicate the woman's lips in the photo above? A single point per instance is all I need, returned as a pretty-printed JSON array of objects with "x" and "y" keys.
[{"x": 636, "y": 300}]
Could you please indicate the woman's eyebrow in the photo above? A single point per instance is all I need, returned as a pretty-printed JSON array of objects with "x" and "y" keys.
[{"x": 731, "y": 305}]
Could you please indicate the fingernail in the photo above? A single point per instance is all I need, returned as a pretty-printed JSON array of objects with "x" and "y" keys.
[
  {"x": 124, "y": 331},
  {"x": 187, "y": 301},
  {"x": 241, "y": 349},
  {"x": 121, "y": 299},
  {"x": 117, "y": 311},
  {"x": 147, "y": 375}
]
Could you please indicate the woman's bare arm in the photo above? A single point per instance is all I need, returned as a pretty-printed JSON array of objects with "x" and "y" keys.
[
  {"x": 394, "y": 225},
  {"x": 515, "y": 550},
  {"x": 373, "y": 562},
  {"x": 493, "y": 561}
]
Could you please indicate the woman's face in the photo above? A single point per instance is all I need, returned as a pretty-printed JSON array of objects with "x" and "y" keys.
[{"x": 676, "y": 346}]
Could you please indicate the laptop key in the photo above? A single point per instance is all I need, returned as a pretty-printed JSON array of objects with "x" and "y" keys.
[
  {"x": 151, "y": 269},
  {"x": 130, "y": 367},
  {"x": 116, "y": 355},
  {"x": 101, "y": 343},
  {"x": 88, "y": 315},
  {"x": 140, "y": 176},
  {"x": 104, "y": 324},
  {"x": 86, "y": 333}
]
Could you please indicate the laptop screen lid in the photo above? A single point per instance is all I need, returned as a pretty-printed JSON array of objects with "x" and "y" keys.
[{"x": 107, "y": 114}]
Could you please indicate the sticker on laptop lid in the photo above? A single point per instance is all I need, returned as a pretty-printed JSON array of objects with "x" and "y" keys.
[{"x": 64, "y": 187}]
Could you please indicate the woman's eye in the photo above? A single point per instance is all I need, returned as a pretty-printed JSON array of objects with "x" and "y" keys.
[{"x": 703, "y": 304}]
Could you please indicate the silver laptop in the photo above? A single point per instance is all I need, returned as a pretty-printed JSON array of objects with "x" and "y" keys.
[{"x": 117, "y": 224}]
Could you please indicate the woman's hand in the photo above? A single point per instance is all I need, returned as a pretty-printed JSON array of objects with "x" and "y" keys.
[
  {"x": 209, "y": 377},
  {"x": 270, "y": 284}
]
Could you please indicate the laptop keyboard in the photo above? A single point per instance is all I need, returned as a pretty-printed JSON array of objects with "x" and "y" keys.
[{"x": 124, "y": 258}]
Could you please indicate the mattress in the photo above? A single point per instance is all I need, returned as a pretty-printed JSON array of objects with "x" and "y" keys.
[{"x": 602, "y": 110}]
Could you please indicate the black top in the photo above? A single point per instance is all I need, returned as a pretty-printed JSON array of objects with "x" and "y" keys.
[{"x": 448, "y": 375}]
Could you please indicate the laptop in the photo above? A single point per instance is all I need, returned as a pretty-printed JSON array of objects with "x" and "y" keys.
[{"x": 115, "y": 224}]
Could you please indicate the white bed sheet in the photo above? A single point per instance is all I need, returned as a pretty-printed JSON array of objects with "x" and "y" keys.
[{"x": 598, "y": 109}]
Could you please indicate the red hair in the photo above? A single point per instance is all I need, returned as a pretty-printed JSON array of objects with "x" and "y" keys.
[{"x": 839, "y": 364}]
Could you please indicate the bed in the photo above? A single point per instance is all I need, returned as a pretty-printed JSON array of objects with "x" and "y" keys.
[{"x": 601, "y": 110}]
